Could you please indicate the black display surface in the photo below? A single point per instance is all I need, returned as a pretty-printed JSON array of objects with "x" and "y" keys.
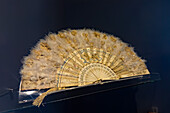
[{"x": 25, "y": 101}]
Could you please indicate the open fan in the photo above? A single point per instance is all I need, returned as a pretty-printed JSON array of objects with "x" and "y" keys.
[{"x": 77, "y": 58}]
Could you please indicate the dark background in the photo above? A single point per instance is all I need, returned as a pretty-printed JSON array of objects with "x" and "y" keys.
[{"x": 145, "y": 24}]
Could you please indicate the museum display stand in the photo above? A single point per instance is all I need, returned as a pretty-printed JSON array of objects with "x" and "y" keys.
[{"x": 26, "y": 98}]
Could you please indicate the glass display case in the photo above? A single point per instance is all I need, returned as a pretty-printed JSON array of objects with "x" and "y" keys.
[{"x": 26, "y": 98}]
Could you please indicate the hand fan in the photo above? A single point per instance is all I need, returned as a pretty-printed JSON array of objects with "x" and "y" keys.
[{"x": 78, "y": 58}]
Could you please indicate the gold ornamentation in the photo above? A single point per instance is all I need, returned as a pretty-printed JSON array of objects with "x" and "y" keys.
[
  {"x": 61, "y": 35},
  {"x": 102, "y": 43},
  {"x": 44, "y": 46},
  {"x": 113, "y": 39},
  {"x": 85, "y": 35},
  {"x": 74, "y": 32},
  {"x": 87, "y": 40},
  {"x": 96, "y": 34},
  {"x": 29, "y": 62},
  {"x": 109, "y": 49},
  {"x": 105, "y": 36}
]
